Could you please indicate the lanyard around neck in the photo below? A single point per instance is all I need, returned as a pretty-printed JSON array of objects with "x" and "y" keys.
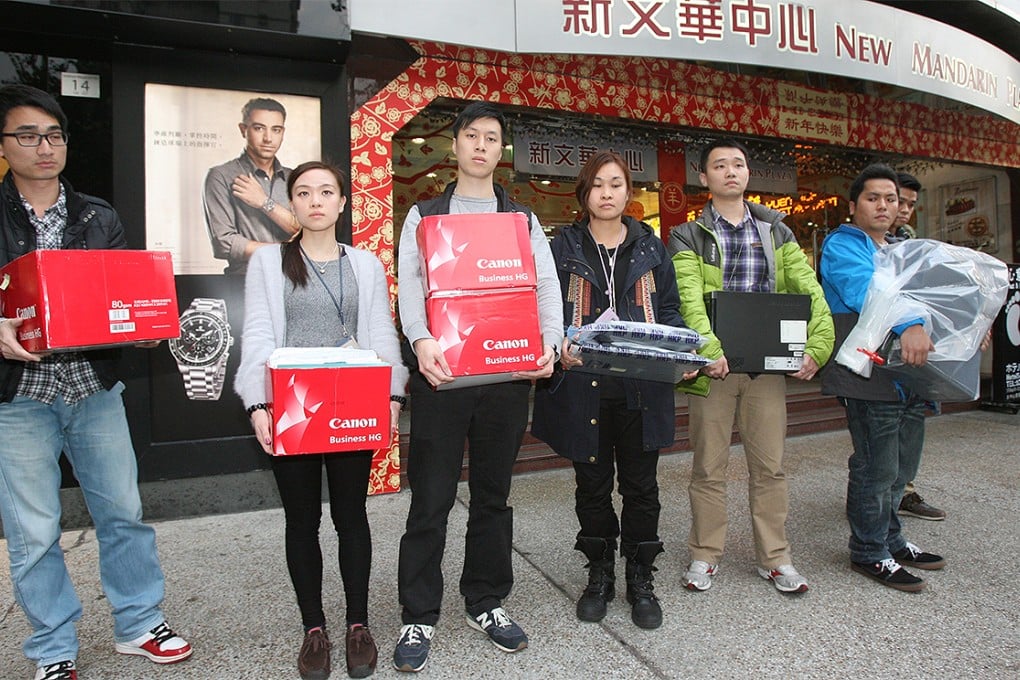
[
  {"x": 609, "y": 273},
  {"x": 339, "y": 304}
]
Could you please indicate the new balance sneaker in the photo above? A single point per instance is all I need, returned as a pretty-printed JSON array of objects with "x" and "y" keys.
[
  {"x": 912, "y": 556},
  {"x": 159, "y": 645},
  {"x": 62, "y": 670},
  {"x": 500, "y": 628},
  {"x": 914, "y": 506},
  {"x": 785, "y": 578},
  {"x": 699, "y": 575},
  {"x": 888, "y": 572},
  {"x": 412, "y": 652}
]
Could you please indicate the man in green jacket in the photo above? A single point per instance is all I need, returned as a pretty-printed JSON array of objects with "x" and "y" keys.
[{"x": 743, "y": 247}]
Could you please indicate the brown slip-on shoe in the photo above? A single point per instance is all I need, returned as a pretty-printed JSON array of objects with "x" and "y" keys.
[
  {"x": 313, "y": 659},
  {"x": 362, "y": 653}
]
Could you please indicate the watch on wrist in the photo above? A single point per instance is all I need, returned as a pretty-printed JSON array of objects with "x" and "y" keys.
[
  {"x": 203, "y": 348},
  {"x": 269, "y": 204}
]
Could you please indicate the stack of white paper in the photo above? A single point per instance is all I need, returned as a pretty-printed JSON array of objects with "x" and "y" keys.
[{"x": 323, "y": 357}]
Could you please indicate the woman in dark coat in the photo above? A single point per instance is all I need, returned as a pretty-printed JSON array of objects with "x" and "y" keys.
[{"x": 611, "y": 425}]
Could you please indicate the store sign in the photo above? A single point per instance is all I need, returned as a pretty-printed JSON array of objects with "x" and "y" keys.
[
  {"x": 563, "y": 156},
  {"x": 769, "y": 178},
  {"x": 852, "y": 38}
]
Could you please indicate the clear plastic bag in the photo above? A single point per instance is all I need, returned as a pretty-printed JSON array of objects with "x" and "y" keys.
[{"x": 956, "y": 292}]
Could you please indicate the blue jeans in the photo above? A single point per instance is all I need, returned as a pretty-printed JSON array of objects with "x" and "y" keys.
[
  {"x": 888, "y": 437},
  {"x": 94, "y": 435}
]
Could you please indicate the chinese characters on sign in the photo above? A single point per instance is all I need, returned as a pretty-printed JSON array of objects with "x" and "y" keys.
[
  {"x": 564, "y": 156},
  {"x": 210, "y": 140},
  {"x": 789, "y": 26}
]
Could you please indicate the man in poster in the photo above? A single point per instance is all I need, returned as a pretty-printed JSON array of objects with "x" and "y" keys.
[{"x": 246, "y": 202}]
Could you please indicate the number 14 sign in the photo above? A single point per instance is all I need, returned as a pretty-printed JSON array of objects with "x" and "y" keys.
[{"x": 79, "y": 85}]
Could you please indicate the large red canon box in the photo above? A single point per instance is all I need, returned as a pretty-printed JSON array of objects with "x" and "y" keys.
[
  {"x": 475, "y": 252},
  {"x": 74, "y": 299},
  {"x": 486, "y": 336},
  {"x": 321, "y": 410}
]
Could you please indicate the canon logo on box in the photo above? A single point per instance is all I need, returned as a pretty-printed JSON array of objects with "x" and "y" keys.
[
  {"x": 499, "y": 264},
  {"x": 26, "y": 312},
  {"x": 517, "y": 343},
  {"x": 352, "y": 423}
]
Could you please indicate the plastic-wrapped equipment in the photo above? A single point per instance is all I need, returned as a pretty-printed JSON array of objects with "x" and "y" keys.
[
  {"x": 956, "y": 292},
  {"x": 633, "y": 349}
]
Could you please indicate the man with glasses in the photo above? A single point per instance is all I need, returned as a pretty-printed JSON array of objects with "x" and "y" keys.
[
  {"x": 246, "y": 203},
  {"x": 743, "y": 247},
  {"x": 71, "y": 403}
]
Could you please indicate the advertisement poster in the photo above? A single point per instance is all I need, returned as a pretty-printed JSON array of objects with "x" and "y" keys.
[
  {"x": 198, "y": 141},
  {"x": 192, "y": 130},
  {"x": 1006, "y": 345},
  {"x": 967, "y": 214}
]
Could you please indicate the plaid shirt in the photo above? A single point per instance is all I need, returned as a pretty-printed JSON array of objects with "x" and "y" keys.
[
  {"x": 743, "y": 260},
  {"x": 68, "y": 375}
]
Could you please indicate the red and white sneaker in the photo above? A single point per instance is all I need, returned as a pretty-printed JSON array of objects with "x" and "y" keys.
[
  {"x": 62, "y": 670},
  {"x": 785, "y": 578},
  {"x": 159, "y": 645}
]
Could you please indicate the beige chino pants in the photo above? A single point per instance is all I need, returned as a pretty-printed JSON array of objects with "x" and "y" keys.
[{"x": 760, "y": 409}]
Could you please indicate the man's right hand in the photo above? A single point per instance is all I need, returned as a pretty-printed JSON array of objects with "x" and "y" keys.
[
  {"x": 718, "y": 369},
  {"x": 431, "y": 362},
  {"x": 915, "y": 345},
  {"x": 10, "y": 348}
]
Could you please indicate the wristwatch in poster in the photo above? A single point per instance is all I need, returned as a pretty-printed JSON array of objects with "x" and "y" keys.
[
  {"x": 202, "y": 349},
  {"x": 268, "y": 205}
]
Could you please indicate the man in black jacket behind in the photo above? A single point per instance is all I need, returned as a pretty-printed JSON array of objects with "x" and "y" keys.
[{"x": 71, "y": 403}]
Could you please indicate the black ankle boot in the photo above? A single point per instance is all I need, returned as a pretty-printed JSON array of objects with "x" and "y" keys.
[
  {"x": 601, "y": 554},
  {"x": 645, "y": 610}
]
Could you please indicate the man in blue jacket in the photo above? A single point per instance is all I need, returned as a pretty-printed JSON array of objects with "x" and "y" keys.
[
  {"x": 71, "y": 403},
  {"x": 886, "y": 420}
]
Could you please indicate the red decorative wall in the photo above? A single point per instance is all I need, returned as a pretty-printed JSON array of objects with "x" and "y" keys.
[{"x": 646, "y": 89}]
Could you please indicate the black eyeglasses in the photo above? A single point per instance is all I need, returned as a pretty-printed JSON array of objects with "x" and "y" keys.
[{"x": 57, "y": 138}]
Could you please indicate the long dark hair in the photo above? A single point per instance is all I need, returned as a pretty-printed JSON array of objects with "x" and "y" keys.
[{"x": 294, "y": 267}]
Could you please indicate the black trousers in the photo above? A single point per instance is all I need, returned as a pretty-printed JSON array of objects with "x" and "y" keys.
[
  {"x": 620, "y": 451},
  {"x": 299, "y": 479},
  {"x": 492, "y": 418}
]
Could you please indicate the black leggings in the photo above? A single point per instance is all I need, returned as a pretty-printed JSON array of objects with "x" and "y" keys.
[{"x": 299, "y": 479}]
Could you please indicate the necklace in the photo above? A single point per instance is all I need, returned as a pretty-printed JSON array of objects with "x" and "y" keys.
[{"x": 321, "y": 266}]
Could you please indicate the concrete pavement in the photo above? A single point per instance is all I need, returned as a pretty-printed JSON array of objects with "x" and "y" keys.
[{"x": 228, "y": 591}]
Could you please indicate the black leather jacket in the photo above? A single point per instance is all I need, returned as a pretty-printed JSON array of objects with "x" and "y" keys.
[{"x": 92, "y": 223}]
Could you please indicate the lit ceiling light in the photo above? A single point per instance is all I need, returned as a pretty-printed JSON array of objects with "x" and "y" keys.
[
  {"x": 431, "y": 174},
  {"x": 418, "y": 140}
]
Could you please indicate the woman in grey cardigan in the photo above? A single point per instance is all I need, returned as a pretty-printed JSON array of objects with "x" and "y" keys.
[{"x": 314, "y": 292}]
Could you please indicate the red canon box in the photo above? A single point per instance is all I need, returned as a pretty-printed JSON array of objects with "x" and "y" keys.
[
  {"x": 486, "y": 336},
  {"x": 475, "y": 252},
  {"x": 321, "y": 410},
  {"x": 72, "y": 299}
]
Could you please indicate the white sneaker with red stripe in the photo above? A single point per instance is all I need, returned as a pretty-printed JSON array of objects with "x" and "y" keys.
[
  {"x": 785, "y": 578},
  {"x": 159, "y": 645}
]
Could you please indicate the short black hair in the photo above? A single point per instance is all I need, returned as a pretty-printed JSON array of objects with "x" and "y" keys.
[
  {"x": 13, "y": 96},
  {"x": 261, "y": 104},
  {"x": 725, "y": 143},
  {"x": 873, "y": 171},
  {"x": 908, "y": 181},
  {"x": 476, "y": 110}
]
